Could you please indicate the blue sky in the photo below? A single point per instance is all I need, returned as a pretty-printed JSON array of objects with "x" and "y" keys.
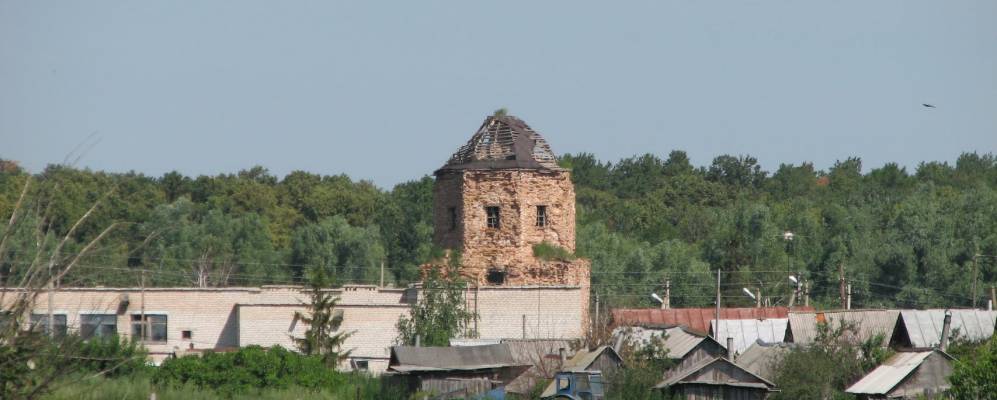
[{"x": 386, "y": 91}]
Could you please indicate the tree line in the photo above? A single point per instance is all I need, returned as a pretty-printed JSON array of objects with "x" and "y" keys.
[{"x": 903, "y": 238}]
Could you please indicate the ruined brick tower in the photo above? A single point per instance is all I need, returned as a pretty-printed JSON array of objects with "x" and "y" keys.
[{"x": 498, "y": 196}]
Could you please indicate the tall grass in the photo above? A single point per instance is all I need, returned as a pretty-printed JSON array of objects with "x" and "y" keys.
[{"x": 139, "y": 387}]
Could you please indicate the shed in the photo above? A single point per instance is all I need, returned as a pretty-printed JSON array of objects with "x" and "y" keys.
[
  {"x": 746, "y": 332},
  {"x": 907, "y": 375},
  {"x": 717, "y": 378},
  {"x": 455, "y": 372},
  {"x": 603, "y": 359},
  {"x": 542, "y": 356},
  {"x": 868, "y": 324}
]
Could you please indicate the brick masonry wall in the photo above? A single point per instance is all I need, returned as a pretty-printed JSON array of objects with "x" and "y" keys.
[{"x": 517, "y": 192}]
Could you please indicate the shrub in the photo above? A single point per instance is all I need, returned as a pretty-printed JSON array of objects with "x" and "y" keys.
[
  {"x": 249, "y": 368},
  {"x": 112, "y": 356},
  {"x": 551, "y": 252}
]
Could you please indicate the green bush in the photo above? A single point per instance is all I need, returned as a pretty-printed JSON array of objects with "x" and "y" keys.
[
  {"x": 249, "y": 368},
  {"x": 112, "y": 356},
  {"x": 551, "y": 252}
]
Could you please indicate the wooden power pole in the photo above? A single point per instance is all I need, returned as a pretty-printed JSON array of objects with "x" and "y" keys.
[
  {"x": 841, "y": 283},
  {"x": 717, "y": 330}
]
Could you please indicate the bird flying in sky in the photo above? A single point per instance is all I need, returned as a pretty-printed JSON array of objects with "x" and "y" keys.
[{"x": 927, "y": 105}]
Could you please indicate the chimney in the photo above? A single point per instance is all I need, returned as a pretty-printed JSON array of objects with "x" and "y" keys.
[
  {"x": 418, "y": 340},
  {"x": 946, "y": 325},
  {"x": 560, "y": 352},
  {"x": 730, "y": 349}
]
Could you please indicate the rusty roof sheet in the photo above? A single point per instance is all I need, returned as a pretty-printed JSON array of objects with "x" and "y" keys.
[
  {"x": 888, "y": 375},
  {"x": 868, "y": 322},
  {"x": 695, "y": 318},
  {"x": 924, "y": 327},
  {"x": 746, "y": 332}
]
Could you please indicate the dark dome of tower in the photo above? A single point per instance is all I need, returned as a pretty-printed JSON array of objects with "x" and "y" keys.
[{"x": 503, "y": 141}]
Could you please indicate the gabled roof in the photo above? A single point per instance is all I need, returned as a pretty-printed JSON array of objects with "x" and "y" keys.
[
  {"x": 695, "y": 318},
  {"x": 580, "y": 362},
  {"x": 503, "y": 141},
  {"x": 924, "y": 327},
  {"x": 678, "y": 340},
  {"x": 467, "y": 358},
  {"x": 892, "y": 372},
  {"x": 762, "y": 358},
  {"x": 678, "y": 378},
  {"x": 869, "y": 323},
  {"x": 746, "y": 332},
  {"x": 583, "y": 359}
]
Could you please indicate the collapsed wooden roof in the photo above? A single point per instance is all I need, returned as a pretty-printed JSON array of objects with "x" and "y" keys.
[{"x": 503, "y": 141}]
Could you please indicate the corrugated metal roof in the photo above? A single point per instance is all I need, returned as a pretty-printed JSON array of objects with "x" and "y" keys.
[
  {"x": 412, "y": 359},
  {"x": 924, "y": 327},
  {"x": 679, "y": 341},
  {"x": 885, "y": 377},
  {"x": 802, "y": 326},
  {"x": 695, "y": 318},
  {"x": 868, "y": 322},
  {"x": 762, "y": 358},
  {"x": 747, "y": 331}
]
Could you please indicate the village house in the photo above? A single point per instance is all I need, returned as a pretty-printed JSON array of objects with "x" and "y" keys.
[
  {"x": 907, "y": 375},
  {"x": 457, "y": 372}
]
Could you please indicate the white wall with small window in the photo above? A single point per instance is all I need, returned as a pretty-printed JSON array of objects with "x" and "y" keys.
[{"x": 154, "y": 328}]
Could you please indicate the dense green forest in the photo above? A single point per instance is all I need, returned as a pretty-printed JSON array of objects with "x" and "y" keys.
[{"x": 902, "y": 238}]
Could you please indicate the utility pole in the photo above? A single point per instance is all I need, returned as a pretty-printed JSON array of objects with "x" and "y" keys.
[
  {"x": 975, "y": 257},
  {"x": 841, "y": 283},
  {"x": 142, "y": 316},
  {"x": 758, "y": 298},
  {"x": 667, "y": 304},
  {"x": 51, "y": 311},
  {"x": 848, "y": 304},
  {"x": 806, "y": 294},
  {"x": 597, "y": 320},
  {"x": 382, "y": 273},
  {"x": 524, "y": 326},
  {"x": 718, "y": 306}
]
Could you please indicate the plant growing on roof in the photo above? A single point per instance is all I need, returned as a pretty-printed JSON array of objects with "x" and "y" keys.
[{"x": 323, "y": 337}]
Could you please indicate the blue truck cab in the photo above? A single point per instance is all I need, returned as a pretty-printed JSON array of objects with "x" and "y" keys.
[{"x": 584, "y": 385}]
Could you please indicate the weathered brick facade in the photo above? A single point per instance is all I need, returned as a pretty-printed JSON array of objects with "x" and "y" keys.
[
  {"x": 508, "y": 168},
  {"x": 517, "y": 193}
]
